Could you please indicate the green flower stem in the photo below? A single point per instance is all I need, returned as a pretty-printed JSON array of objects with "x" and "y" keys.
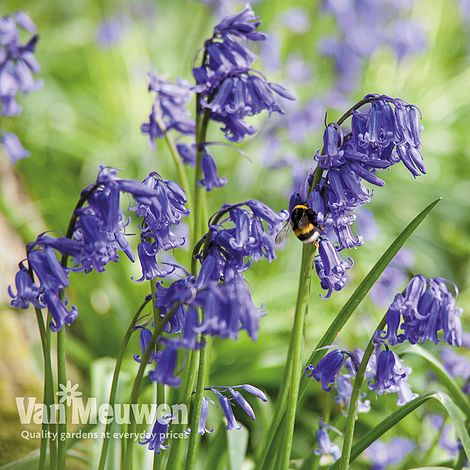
[
  {"x": 48, "y": 394},
  {"x": 272, "y": 442},
  {"x": 301, "y": 309},
  {"x": 160, "y": 398},
  {"x": 352, "y": 412},
  {"x": 136, "y": 388},
  {"x": 198, "y": 211},
  {"x": 61, "y": 380},
  {"x": 194, "y": 437},
  {"x": 200, "y": 216},
  {"x": 179, "y": 166},
  {"x": 114, "y": 384},
  {"x": 176, "y": 453}
]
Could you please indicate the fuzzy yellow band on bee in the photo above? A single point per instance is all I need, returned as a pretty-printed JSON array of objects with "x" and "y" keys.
[{"x": 303, "y": 230}]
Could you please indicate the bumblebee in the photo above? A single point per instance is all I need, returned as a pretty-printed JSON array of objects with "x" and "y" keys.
[{"x": 303, "y": 222}]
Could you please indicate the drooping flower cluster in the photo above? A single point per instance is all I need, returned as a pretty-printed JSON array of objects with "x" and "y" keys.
[
  {"x": 96, "y": 238},
  {"x": 425, "y": 308},
  {"x": 17, "y": 66},
  {"x": 228, "y": 86},
  {"x": 381, "y": 136},
  {"x": 160, "y": 215},
  {"x": 228, "y": 397},
  {"x": 169, "y": 108},
  {"x": 228, "y": 89},
  {"x": 238, "y": 235}
]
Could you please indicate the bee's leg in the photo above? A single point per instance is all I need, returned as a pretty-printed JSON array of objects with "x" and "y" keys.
[{"x": 316, "y": 237}]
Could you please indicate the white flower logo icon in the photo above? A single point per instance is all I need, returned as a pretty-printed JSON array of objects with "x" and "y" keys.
[{"x": 68, "y": 393}]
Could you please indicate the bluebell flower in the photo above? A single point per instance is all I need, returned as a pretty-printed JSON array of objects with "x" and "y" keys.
[
  {"x": 390, "y": 372},
  {"x": 330, "y": 268},
  {"x": 187, "y": 152},
  {"x": 148, "y": 261},
  {"x": 229, "y": 308},
  {"x": 256, "y": 392},
  {"x": 164, "y": 371},
  {"x": 100, "y": 225},
  {"x": 393, "y": 322},
  {"x": 99, "y": 247},
  {"x": 53, "y": 279},
  {"x": 145, "y": 337},
  {"x": 252, "y": 236},
  {"x": 51, "y": 274},
  {"x": 343, "y": 388},
  {"x": 243, "y": 25},
  {"x": 228, "y": 411},
  {"x": 202, "y": 429},
  {"x": 26, "y": 291},
  {"x": 381, "y": 136},
  {"x": 325, "y": 446},
  {"x": 169, "y": 110},
  {"x": 156, "y": 440},
  {"x": 17, "y": 62},
  {"x": 180, "y": 291},
  {"x": 327, "y": 368},
  {"x": 211, "y": 178},
  {"x": 242, "y": 403},
  {"x": 384, "y": 454},
  {"x": 57, "y": 308},
  {"x": 161, "y": 212},
  {"x": 13, "y": 147}
]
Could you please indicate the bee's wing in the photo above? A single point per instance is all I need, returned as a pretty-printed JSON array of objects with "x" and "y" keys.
[{"x": 283, "y": 233}]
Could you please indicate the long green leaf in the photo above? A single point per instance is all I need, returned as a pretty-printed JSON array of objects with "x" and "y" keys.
[
  {"x": 339, "y": 322},
  {"x": 438, "y": 369},
  {"x": 450, "y": 407}
]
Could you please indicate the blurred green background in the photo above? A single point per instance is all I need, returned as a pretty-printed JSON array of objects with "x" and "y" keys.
[{"x": 88, "y": 113}]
